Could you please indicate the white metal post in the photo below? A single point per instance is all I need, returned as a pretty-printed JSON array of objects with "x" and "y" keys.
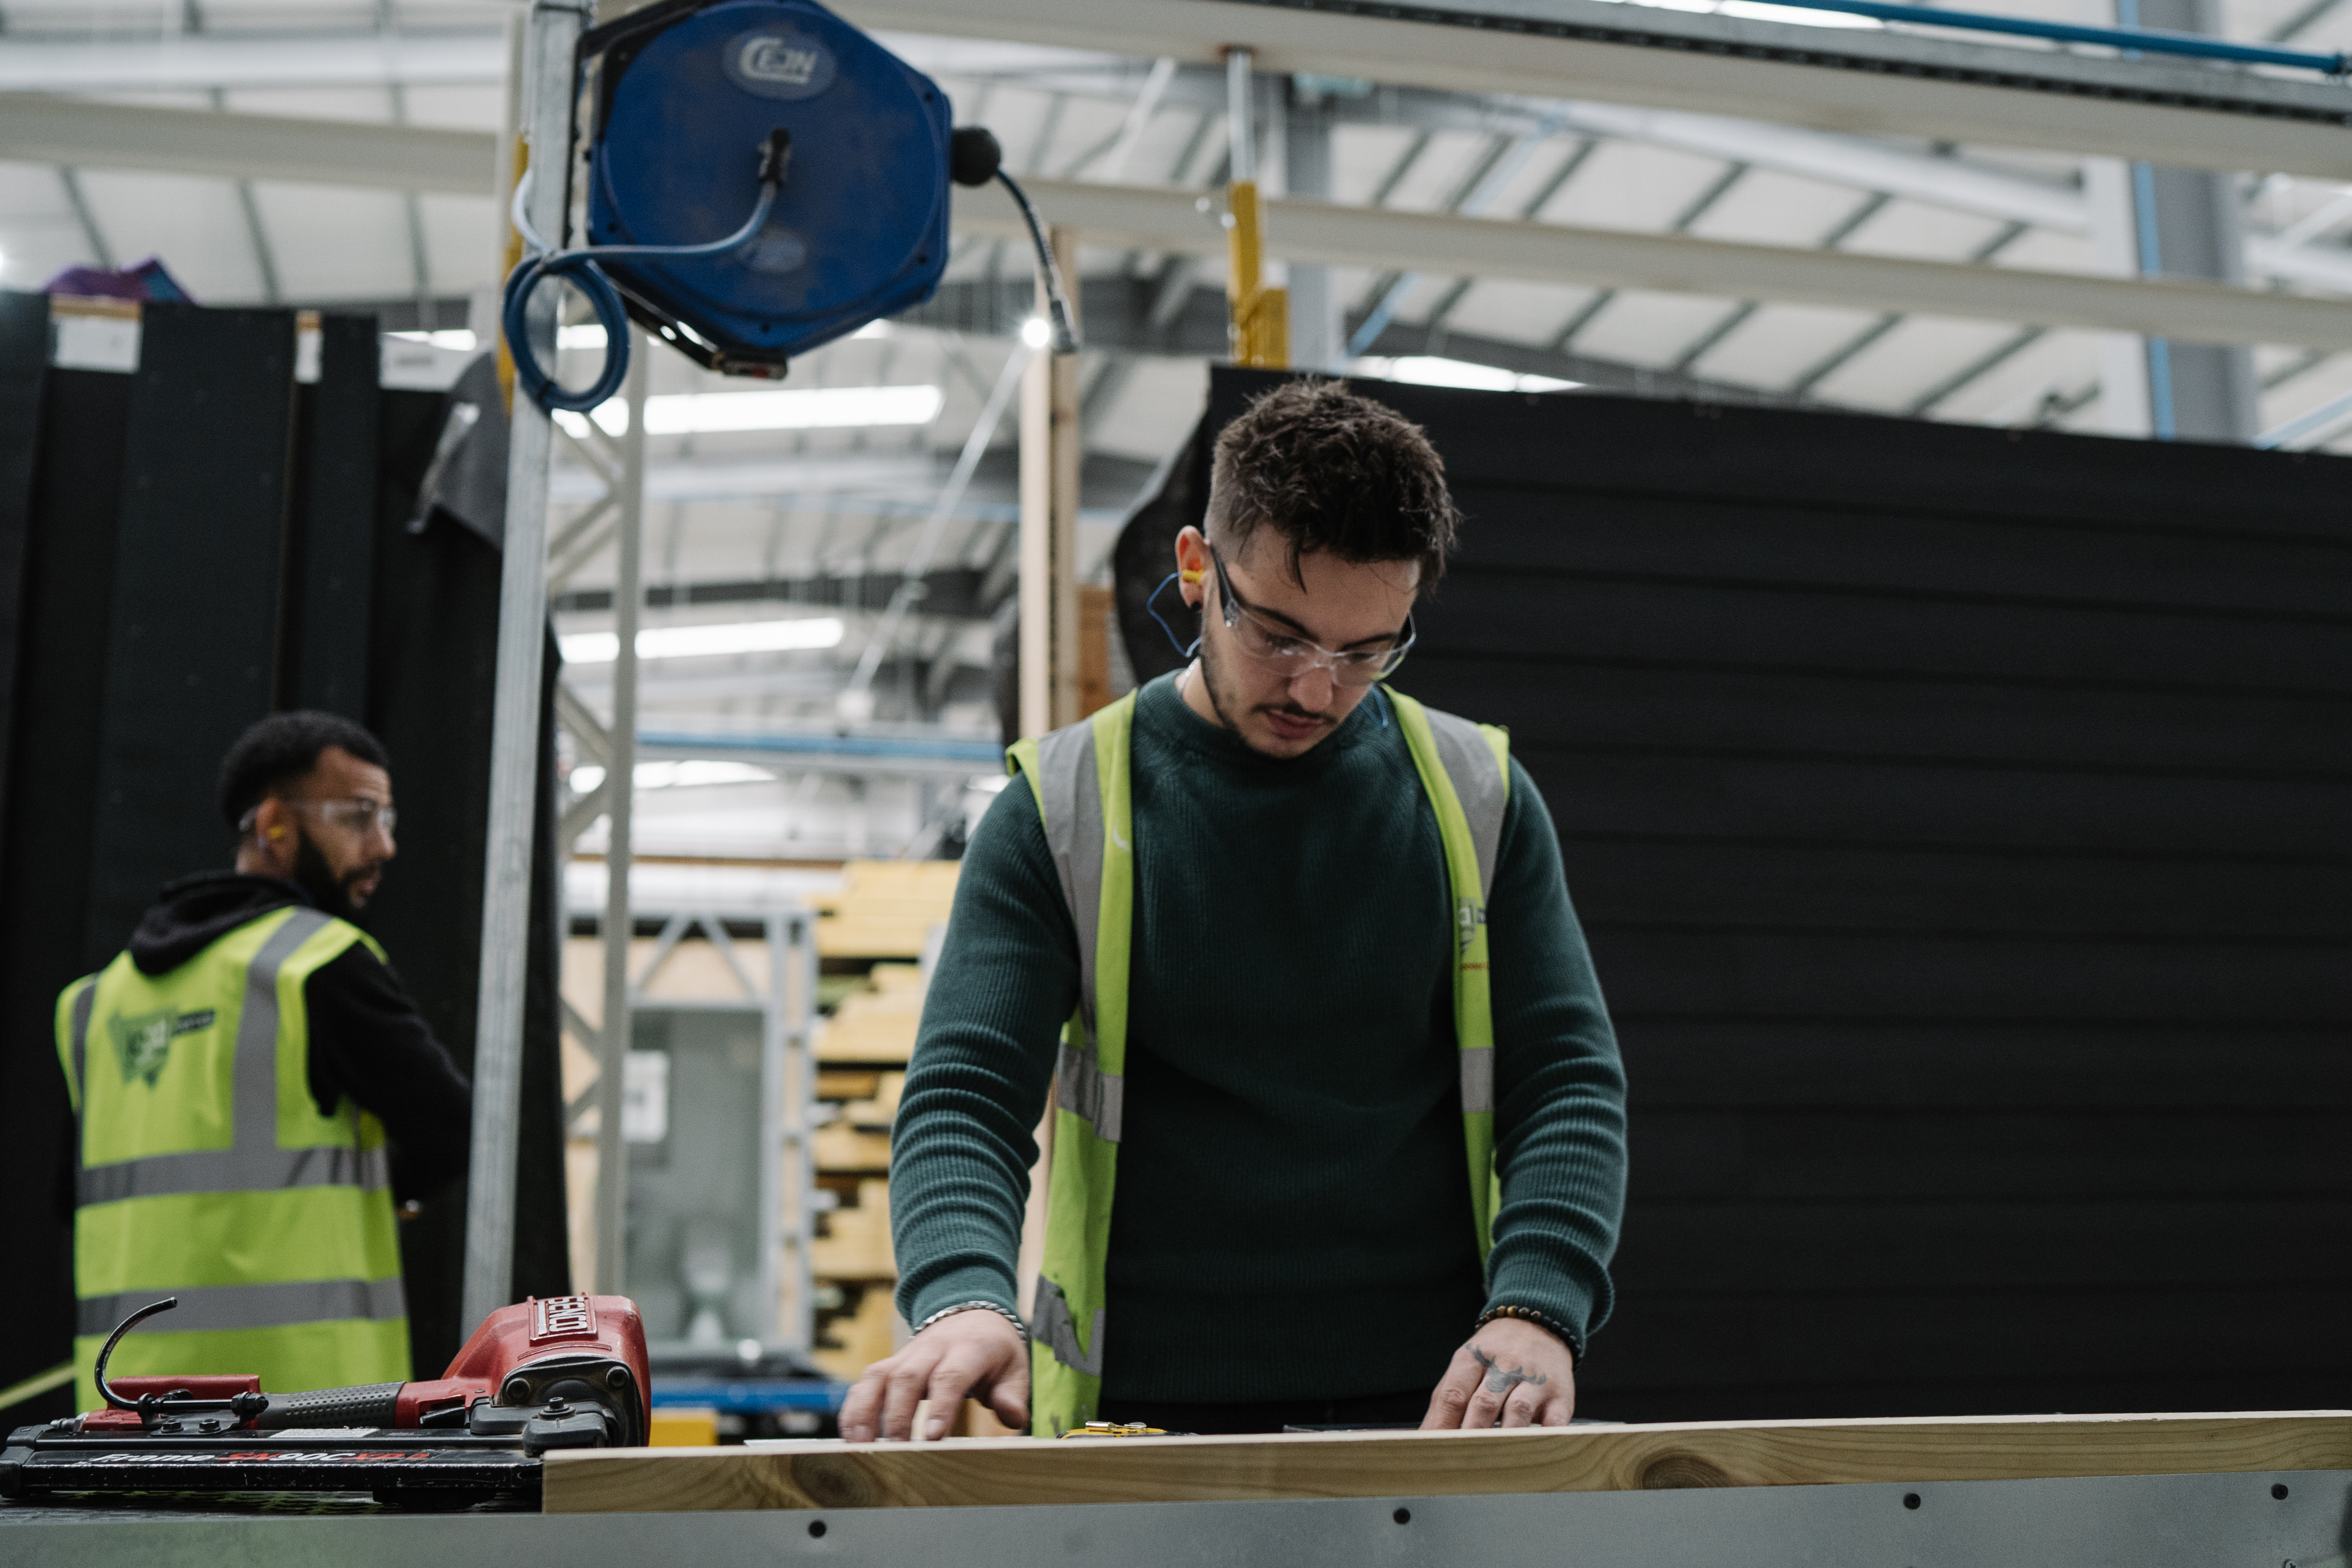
[
  {"x": 620, "y": 799},
  {"x": 547, "y": 42}
]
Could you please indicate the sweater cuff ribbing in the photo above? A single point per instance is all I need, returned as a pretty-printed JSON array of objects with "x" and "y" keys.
[{"x": 971, "y": 1282}]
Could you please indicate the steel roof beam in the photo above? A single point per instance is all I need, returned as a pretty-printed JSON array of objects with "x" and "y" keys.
[
  {"x": 201, "y": 61},
  {"x": 35, "y": 128},
  {"x": 1300, "y": 230},
  {"x": 2182, "y": 114}
]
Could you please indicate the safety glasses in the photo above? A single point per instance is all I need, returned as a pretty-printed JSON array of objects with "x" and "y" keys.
[{"x": 1293, "y": 655}]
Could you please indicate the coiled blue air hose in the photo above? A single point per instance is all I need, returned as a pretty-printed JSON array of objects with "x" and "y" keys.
[{"x": 579, "y": 268}]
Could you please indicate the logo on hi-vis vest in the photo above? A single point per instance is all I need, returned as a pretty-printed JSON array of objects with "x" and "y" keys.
[
  {"x": 143, "y": 1044},
  {"x": 1467, "y": 918}
]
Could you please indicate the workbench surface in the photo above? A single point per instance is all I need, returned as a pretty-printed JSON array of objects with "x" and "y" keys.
[{"x": 2179, "y": 1492}]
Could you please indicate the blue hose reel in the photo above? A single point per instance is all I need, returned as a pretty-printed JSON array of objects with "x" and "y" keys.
[{"x": 764, "y": 178}]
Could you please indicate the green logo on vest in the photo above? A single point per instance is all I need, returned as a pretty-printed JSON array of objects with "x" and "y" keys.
[{"x": 143, "y": 1044}]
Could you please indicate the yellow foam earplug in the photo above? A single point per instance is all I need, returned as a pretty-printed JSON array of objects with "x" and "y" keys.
[
  {"x": 276, "y": 833},
  {"x": 1189, "y": 575}
]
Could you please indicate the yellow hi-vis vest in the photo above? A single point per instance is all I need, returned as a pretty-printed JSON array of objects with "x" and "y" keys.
[
  {"x": 1080, "y": 777},
  {"x": 205, "y": 1171}
]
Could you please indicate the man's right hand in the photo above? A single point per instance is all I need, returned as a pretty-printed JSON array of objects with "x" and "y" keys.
[{"x": 975, "y": 1355}]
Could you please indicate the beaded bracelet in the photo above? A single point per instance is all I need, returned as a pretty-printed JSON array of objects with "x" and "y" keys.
[
  {"x": 1006, "y": 1313},
  {"x": 1543, "y": 1320}
]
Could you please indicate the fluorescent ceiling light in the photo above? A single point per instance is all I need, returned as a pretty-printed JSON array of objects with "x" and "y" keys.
[
  {"x": 810, "y": 408},
  {"x": 449, "y": 338},
  {"x": 1434, "y": 370},
  {"x": 707, "y": 642},
  {"x": 675, "y": 775},
  {"x": 1802, "y": 15},
  {"x": 1762, "y": 11}
]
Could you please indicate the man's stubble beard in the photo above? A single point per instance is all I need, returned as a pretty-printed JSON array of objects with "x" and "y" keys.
[
  {"x": 1211, "y": 668},
  {"x": 316, "y": 878}
]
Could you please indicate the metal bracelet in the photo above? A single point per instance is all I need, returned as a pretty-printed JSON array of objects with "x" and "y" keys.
[{"x": 1007, "y": 1313}]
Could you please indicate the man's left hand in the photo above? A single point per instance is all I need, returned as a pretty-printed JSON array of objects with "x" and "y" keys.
[{"x": 1511, "y": 1373}]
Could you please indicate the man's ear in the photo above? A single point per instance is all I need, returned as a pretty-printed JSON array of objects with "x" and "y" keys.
[
  {"x": 273, "y": 829},
  {"x": 1192, "y": 566}
]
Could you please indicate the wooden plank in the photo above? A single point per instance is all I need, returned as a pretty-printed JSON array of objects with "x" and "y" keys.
[{"x": 980, "y": 1472}]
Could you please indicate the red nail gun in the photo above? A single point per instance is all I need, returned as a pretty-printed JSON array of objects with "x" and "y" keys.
[{"x": 566, "y": 1371}]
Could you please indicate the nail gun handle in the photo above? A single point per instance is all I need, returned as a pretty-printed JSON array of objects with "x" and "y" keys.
[{"x": 368, "y": 1405}]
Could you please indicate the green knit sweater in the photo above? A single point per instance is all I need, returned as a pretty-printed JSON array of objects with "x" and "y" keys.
[{"x": 1293, "y": 1212}]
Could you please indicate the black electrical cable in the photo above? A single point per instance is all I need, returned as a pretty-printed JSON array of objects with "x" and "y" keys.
[
  {"x": 974, "y": 158},
  {"x": 579, "y": 267}
]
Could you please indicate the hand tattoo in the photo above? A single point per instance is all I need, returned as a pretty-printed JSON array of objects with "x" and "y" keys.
[{"x": 1502, "y": 1380}]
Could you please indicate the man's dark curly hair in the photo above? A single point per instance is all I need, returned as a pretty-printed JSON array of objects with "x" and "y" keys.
[
  {"x": 281, "y": 749},
  {"x": 1330, "y": 471}
]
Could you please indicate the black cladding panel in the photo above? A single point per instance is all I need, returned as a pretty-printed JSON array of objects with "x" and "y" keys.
[
  {"x": 201, "y": 534},
  {"x": 24, "y": 371},
  {"x": 330, "y": 544},
  {"x": 61, "y": 615},
  {"x": 1962, "y": 823}
]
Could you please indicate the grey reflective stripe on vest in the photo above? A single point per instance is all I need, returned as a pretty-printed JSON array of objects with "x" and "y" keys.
[
  {"x": 1470, "y": 767},
  {"x": 1071, "y": 795},
  {"x": 1070, "y": 792},
  {"x": 213, "y": 1308},
  {"x": 1483, "y": 788},
  {"x": 1082, "y": 1088},
  {"x": 253, "y": 1162},
  {"x": 1058, "y": 1333},
  {"x": 83, "y": 1003},
  {"x": 235, "y": 1171}
]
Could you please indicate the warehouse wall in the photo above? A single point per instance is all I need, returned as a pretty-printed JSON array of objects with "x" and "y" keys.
[{"x": 1962, "y": 820}]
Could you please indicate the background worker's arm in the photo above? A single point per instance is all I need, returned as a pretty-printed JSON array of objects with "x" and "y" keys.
[
  {"x": 369, "y": 1041},
  {"x": 1560, "y": 1136},
  {"x": 962, "y": 1147}
]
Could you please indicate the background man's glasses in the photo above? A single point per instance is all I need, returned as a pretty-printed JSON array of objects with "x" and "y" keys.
[
  {"x": 359, "y": 813},
  {"x": 1294, "y": 655}
]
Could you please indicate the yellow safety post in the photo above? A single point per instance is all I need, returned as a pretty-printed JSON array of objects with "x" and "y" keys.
[
  {"x": 1260, "y": 330},
  {"x": 1261, "y": 316}
]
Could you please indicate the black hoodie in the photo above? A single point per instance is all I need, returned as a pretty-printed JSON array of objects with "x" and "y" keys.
[{"x": 367, "y": 1038}]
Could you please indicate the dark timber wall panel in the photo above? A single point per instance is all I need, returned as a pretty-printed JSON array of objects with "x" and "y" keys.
[
  {"x": 1962, "y": 820},
  {"x": 191, "y": 656},
  {"x": 330, "y": 544}
]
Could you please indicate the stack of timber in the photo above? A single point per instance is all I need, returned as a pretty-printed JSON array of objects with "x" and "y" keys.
[
  {"x": 885, "y": 908},
  {"x": 877, "y": 1024},
  {"x": 887, "y": 914}
]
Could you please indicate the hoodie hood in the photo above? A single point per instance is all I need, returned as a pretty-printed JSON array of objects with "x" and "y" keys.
[{"x": 191, "y": 914}]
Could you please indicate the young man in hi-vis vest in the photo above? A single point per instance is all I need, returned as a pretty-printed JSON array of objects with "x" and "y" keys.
[
  {"x": 234, "y": 1074},
  {"x": 1297, "y": 956}
]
